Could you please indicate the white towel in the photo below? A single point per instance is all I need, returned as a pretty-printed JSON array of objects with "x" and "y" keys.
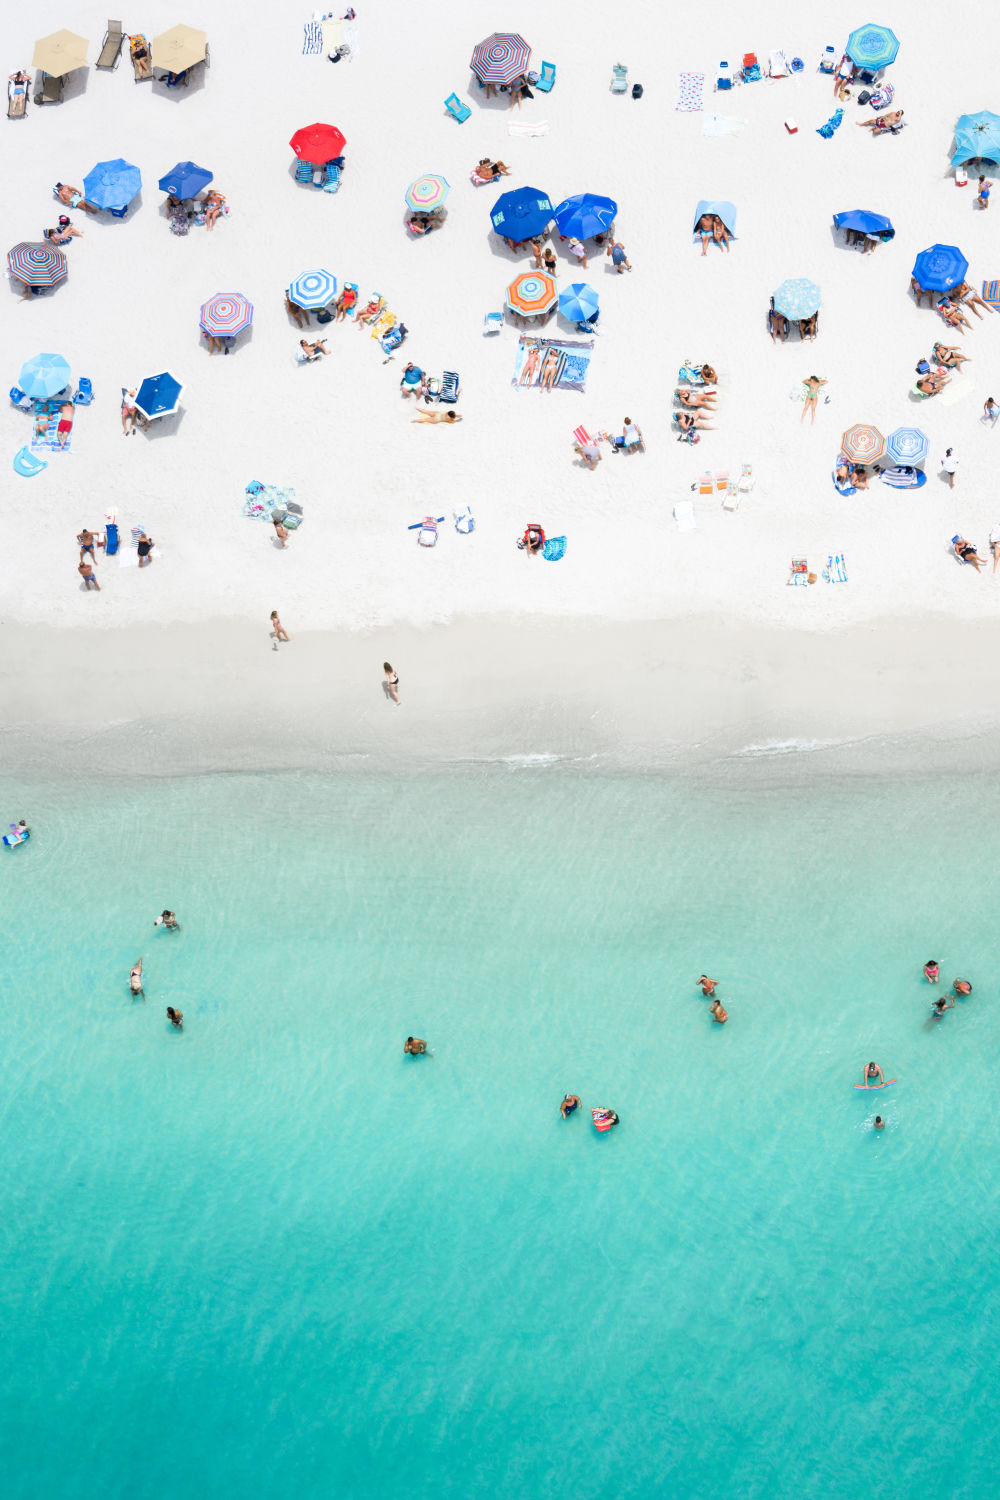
[
  {"x": 723, "y": 125},
  {"x": 524, "y": 127},
  {"x": 128, "y": 557},
  {"x": 684, "y": 516}
]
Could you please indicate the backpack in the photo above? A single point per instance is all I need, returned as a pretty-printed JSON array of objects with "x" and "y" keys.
[{"x": 637, "y": 91}]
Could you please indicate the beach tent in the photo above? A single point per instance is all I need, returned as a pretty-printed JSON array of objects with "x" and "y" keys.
[
  {"x": 862, "y": 221},
  {"x": 531, "y": 293},
  {"x": 44, "y": 376},
  {"x": 500, "y": 58},
  {"x": 725, "y": 211},
  {"x": 185, "y": 180},
  {"x": 585, "y": 215},
  {"x": 940, "y": 268},
  {"x": 578, "y": 302},
  {"x": 319, "y": 143},
  {"x": 872, "y": 47},
  {"x": 179, "y": 48},
  {"x": 112, "y": 184},
  {"x": 906, "y": 446},
  {"x": 427, "y": 193},
  {"x": 159, "y": 395},
  {"x": 522, "y": 213},
  {"x": 226, "y": 314},
  {"x": 977, "y": 138},
  {"x": 37, "y": 264},
  {"x": 797, "y": 298},
  {"x": 313, "y": 289},
  {"x": 862, "y": 444},
  {"x": 60, "y": 53}
]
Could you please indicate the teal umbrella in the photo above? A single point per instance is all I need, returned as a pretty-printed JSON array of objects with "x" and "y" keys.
[
  {"x": 797, "y": 298},
  {"x": 872, "y": 47},
  {"x": 44, "y": 376},
  {"x": 977, "y": 138}
]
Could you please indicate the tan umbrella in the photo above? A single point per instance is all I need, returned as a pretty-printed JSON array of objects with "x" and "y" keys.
[
  {"x": 179, "y": 48},
  {"x": 60, "y": 53}
]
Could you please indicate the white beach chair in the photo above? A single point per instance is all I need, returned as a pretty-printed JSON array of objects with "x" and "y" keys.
[{"x": 746, "y": 480}]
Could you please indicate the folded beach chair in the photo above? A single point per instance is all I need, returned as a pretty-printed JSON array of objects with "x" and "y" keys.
[
  {"x": 457, "y": 109},
  {"x": 112, "y": 46},
  {"x": 546, "y": 77},
  {"x": 51, "y": 91},
  {"x": 684, "y": 516},
  {"x": 619, "y": 78},
  {"x": 449, "y": 388}
]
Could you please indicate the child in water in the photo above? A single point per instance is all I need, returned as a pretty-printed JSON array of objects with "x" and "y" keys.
[
  {"x": 879, "y": 1123},
  {"x": 931, "y": 970}
]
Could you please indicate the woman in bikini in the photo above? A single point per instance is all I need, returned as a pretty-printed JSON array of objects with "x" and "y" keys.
[
  {"x": 692, "y": 399},
  {"x": 135, "y": 979},
  {"x": 549, "y": 371},
  {"x": 213, "y": 204},
  {"x": 448, "y": 417},
  {"x": 811, "y": 390},
  {"x": 391, "y": 682},
  {"x": 949, "y": 356}
]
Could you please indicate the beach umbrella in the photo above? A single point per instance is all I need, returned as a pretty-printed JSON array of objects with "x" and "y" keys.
[
  {"x": 313, "y": 289},
  {"x": 872, "y": 47},
  {"x": 907, "y": 445},
  {"x": 797, "y": 298},
  {"x": 578, "y": 302},
  {"x": 427, "y": 193},
  {"x": 864, "y": 222},
  {"x": 226, "y": 314},
  {"x": 500, "y": 58},
  {"x": 159, "y": 395},
  {"x": 531, "y": 293},
  {"x": 977, "y": 137},
  {"x": 940, "y": 268},
  {"x": 44, "y": 376},
  {"x": 185, "y": 180},
  {"x": 520, "y": 214},
  {"x": 179, "y": 48},
  {"x": 320, "y": 143},
  {"x": 60, "y": 53},
  {"x": 37, "y": 265},
  {"x": 585, "y": 215},
  {"x": 862, "y": 444},
  {"x": 112, "y": 184}
]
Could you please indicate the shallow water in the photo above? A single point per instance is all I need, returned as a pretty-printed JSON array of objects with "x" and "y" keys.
[{"x": 271, "y": 1256}]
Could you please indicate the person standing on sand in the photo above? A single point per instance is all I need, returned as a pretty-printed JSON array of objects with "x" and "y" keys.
[
  {"x": 619, "y": 259},
  {"x": 86, "y": 572},
  {"x": 948, "y": 466},
  {"x": 391, "y": 682},
  {"x": 982, "y": 197},
  {"x": 280, "y": 633},
  {"x": 991, "y": 411},
  {"x": 811, "y": 389},
  {"x": 281, "y": 533}
]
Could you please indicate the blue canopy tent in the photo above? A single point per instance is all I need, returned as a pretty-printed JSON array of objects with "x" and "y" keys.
[
  {"x": 863, "y": 221},
  {"x": 112, "y": 184},
  {"x": 185, "y": 180},
  {"x": 725, "y": 211},
  {"x": 872, "y": 48},
  {"x": 940, "y": 268},
  {"x": 522, "y": 213},
  {"x": 977, "y": 138},
  {"x": 585, "y": 215}
]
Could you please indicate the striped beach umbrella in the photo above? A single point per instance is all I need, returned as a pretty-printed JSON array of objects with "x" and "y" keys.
[
  {"x": 36, "y": 264},
  {"x": 427, "y": 193},
  {"x": 226, "y": 314},
  {"x": 159, "y": 395},
  {"x": 500, "y": 58},
  {"x": 112, "y": 184},
  {"x": 862, "y": 444},
  {"x": 872, "y": 47},
  {"x": 797, "y": 298},
  {"x": 578, "y": 302},
  {"x": 319, "y": 143},
  {"x": 907, "y": 445},
  {"x": 584, "y": 215},
  {"x": 531, "y": 293},
  {"x": 940, "y": 268},
  {"x": 44, "y": 376},
  {"x": 313, "y": 289}
]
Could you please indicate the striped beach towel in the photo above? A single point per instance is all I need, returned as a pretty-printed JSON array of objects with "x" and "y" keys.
[
  {"x": 312, "y": 42},
  {"x": 528, "y": 127},
  {"x": 691, "y": 88},
  {"x": 991, "y": 293}
]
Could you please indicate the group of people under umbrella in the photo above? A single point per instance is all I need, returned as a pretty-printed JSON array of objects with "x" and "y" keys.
[
  {"x": 939, "y": 275},
  {"x": 175, "y": 52},
  {"x": 795, "y": 301},
  {"x": 861, "y": 448},
  {"x": 525, "y": 216}
]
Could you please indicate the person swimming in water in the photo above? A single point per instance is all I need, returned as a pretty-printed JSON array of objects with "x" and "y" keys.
[
  {"x": 135, "y": 979},
  {"x": 718, "y": 1014},
  {"x": 940, "y": 1006},
  {"x": 932, "y": 969},
  {"x": 175, "y": 1017},
  {"x": 569, "y": 1104},
  {"x": 168, "y": 920},
  {"x": 415, "y": 1046},
  {"x": 872, "y": 1070},
  {"x": 607, "y": 1117},
  {"x": 961, "y": 987},
  {"x": 879, "y": 1123},
  {"x": 707, "y": 985}
]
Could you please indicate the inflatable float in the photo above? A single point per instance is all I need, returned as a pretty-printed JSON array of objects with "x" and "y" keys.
[
  {"x": 18, "y": 835},
  {"x": 604, "y": 1119}
]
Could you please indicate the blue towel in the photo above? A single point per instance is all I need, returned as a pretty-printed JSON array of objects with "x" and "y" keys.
[
  {"x": 111, "y": 539},
  {"x": 832, "y": 124},
  {"x": 555, "y": 548},
  {"x": 312, "y": 44}
]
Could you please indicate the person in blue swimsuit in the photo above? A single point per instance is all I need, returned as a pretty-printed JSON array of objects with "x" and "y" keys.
[
  {"x": 984, "y": 192},
  {"x": 569, "y": 1104}
]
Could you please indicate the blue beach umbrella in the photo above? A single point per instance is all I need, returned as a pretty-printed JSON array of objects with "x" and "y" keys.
[
  {"x": 313, "y": 289},
  {"x": 872, "y": 47},
  {"x": 159, "y": 395},
  {"x": 45, "y": 375},
  {"x": 977, "y": 137},
  {"x": 584, "y": 215},
  {"x": 578, "y": 302},
  {"x": 185, "y": 180},
  {"x": 864, "y": 222},
  {"x": 797, "y": 298},
  {"x": 112, "y": 184},
  {"x": 520, "y": 214},
  {"x": 907, "y": 445},
  {"x": 940, "y": 268}
]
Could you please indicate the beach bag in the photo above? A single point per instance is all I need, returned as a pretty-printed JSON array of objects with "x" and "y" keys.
[
  {"x": 637, "y": 91},
  {"x": 864, "y": 96}
]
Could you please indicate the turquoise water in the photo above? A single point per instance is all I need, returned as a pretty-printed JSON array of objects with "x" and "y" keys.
[{"x": 272, "y": 1257}]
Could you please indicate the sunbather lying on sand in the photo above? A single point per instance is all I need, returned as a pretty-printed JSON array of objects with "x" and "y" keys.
[
  {"x": 692, "y": 399},
  {"x": 930, "y": 385},
  {"x": 882, "y": 122},
  {"x": 437, "y": 416},
  {"x": 688, "y": 423}
]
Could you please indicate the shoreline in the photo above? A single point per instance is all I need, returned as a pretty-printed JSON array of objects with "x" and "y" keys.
[{"x": 697, "y": 696}]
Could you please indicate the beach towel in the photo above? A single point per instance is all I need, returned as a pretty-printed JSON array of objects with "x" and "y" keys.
[
  {"x": 534, "y": 357},
  {"x": 260, "y": 499},
  {"x": 798, "y": 573},
  {"x": 832, "y": 124},
  {"x": 331, "y": 36},
  {"x": 691, "y": 86},
  {"x": 110, "y": 539},
  {"x": 312, "y": 42},
  {"x": 554, "y": 548},
  {"x": 723, "y": 125},
  {"x": 684, "y": 516},
  {"x": 991, "y": 293},
  {"x": 528, "y": 127},
  {"x": 836, "y": 569},
  {"x": 47, "y": 441},
  {"x": 129, "y": 558}
]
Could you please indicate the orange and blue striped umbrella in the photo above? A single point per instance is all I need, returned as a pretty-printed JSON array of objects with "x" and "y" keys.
[
  {"x": 862, "y": 444},
  {"x": 532, "y": 293}
]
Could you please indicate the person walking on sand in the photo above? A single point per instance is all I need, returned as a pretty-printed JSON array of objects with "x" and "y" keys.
[
  {"x": 391, "y": 682},
  {"x": 281, "y": 532},
  {"x": 87, "y": 542},
  {"x": 86, "y": 572},
  {"x": 579, "y": 251},
  {"x": 995, "y": 545},
  {"x": 279, "y": 631},
  {"x": 619, "y": 259},
  {"x": 135, "y": 979},
  {"x": 991, "y": 411},
  {"x": 948, "y": 465},
  {"x": 811, "y": 390}
]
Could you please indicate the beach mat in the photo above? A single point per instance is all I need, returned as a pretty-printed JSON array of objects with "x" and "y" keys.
[
  {"x": 572, "y": 358},
  {"x": 48, "y": 443},
  {"x": 312, "y": 41},
  {"x": 128, "y": 557},
  {"x": 690, "y": 92},
  {"x": 528, "y": 127},
  {"x": 723, "y": 125}
]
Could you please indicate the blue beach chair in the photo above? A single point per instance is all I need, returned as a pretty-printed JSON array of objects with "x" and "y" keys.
[
  {"x": 304, "y": 171},
  {"x": 85, "y": 392},
  {"x": 449, "y": 387},
  {"x": 619, "y": 78},
  {"x": 332, "y": 183},
  {"x": 492, "y": 323},
  {"x": 546, "y": 78},
  {"x": 457, "y": 109}
]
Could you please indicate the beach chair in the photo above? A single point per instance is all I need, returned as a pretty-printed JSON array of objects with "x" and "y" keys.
[
  {"x": 619, "y": 78},
  {"x": 112, "y": 47},
  {"x": 85, "y": 392},
  {"x": 427, "y": 530},
  {"x": 465, "y": 521},
  {"x": 304, "y": 171},
  {"x": 17, "y": 100},
  {"x": 546, "y": 77},
  {"x": 725, "y": 78},
  {"x": 51, "y": 91},
  {"x": 746, "y": 479},
  {"x": 449, "y": 388},
  {"x": 684, "y": 516},
  {"x": 139, "y": 43},
  {"x": 19, "y": 399},
  {"x": 457, "y": 109},
  {"x": 732, "y": 498},
  {"x": 828, "y": 62},
  {"x": 750, "y": 72},
  {"x": 391, "y": 340},
  {"x": 332, "y": 183},
  {"x": 493, "y": 322},
  {"x": 706, "y": 485}
]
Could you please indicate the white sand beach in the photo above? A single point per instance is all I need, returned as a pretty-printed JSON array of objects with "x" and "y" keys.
[{"x": 708, "y": 613}]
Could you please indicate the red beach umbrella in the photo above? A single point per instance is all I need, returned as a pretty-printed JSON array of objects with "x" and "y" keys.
[{"x": 317, "y": 143}]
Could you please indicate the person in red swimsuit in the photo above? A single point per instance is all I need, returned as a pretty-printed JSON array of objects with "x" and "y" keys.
[{"x": 65, "y": 426}]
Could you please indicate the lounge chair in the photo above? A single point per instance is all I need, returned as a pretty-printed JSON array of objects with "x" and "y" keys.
[
  {"x": 619, "y": 78},
  {"x": 17, "y": 101},
  {"x": 684, "y": 516},
  {"x": 746, "y": 479},
  {"x": 138, "y": 43},
  {"x": 493, "y": 322},
  {"x": 828, "y": 62},
  {"x": 111, "y": 50},
  {"x": 457, "y": 109},
  {"x": 19, "y": 399},
  {"x": 546, "y": 77},
  {"x": 332, "y": 183},
  {"x": 725, "y": 78},
  {"x": 51, "y": 91},
  {"x": 750, "y": 71},
  {"x": 449, "y": 388},
  {"x": 304, "y": 172}
]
